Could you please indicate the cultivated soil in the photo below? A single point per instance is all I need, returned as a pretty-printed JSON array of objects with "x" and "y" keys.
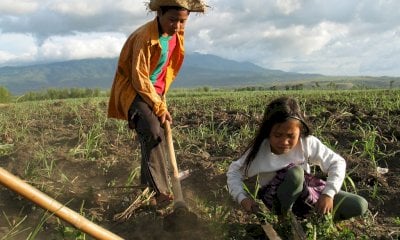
[{"x": 96, "y": 184}]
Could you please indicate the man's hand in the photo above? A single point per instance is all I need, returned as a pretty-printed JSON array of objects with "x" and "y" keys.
[
  {"x": 324, "y": 204},
  {"x": 250, "y": 205},
  {"x": 165, "y": 117}
]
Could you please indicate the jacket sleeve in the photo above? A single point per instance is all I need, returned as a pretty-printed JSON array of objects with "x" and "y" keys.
[
  {"x": 330, "y": 162},
  {"x": 235, "y": 176}
]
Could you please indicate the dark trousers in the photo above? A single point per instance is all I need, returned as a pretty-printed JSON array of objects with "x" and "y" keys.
[{"x": 152, "y": 140}]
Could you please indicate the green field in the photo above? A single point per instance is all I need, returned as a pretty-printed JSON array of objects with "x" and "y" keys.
[{"x": 72, "y": 152}]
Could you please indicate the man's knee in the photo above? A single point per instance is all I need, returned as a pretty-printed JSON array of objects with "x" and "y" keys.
[{"x": 151, "y": 137}]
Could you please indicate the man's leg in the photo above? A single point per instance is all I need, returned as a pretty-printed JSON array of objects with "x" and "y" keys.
[{"x": 151, "y": 137}]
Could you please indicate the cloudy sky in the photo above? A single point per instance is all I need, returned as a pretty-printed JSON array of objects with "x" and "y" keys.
[{"x": 340, "y": 37}]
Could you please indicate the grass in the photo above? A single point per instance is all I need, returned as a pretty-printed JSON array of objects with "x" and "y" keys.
[{"x": 14, "y": 227}]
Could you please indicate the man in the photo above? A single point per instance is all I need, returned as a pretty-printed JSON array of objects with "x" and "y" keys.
[{"x": 149, "y": 62}]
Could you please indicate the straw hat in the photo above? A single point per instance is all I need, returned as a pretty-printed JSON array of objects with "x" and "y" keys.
[{"x": 192, "y": 5}]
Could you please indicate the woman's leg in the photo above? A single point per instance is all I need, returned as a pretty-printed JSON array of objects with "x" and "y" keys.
[
  {"x": 291, "y": 188},
  {"x": 347, "y": 205}
]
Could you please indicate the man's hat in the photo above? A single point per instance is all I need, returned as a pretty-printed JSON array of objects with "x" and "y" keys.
[{"x": 191, "y": 5}]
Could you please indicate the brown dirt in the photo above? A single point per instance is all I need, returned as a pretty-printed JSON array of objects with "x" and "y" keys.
[{"x": 94, "y": 185}]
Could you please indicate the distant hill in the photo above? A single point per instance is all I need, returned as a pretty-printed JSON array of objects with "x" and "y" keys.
[
  {"x": 199, "y": 70},
  {"x": 88, "y": 73},
  {"x": 210, "y": 70}
]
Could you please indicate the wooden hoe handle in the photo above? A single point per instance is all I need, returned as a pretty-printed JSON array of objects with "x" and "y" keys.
[
  {"x": 176, "y": 184},
  {"x": 33, "y": 194}
]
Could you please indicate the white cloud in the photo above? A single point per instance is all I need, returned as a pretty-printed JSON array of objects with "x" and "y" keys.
[
  {"x": 75, "y": 7},
  {"x": 91, "y": 8},
  {"x": 300, "y": 40},
  {"x": 17, "y": 48},
  {"x": 18, "y": 7},
  {"x": 288, "y": 6},
  {"x": 82, "y": 45},
  {"x": 131, "y": 6}
]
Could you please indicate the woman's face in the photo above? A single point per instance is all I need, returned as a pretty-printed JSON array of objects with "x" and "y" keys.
[
  {"x": 173, "y": 21},
  {"x": 284, "y": 136}
]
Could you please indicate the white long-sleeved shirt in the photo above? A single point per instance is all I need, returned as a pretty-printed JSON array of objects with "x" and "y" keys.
[{"x": 309, "y": 151}]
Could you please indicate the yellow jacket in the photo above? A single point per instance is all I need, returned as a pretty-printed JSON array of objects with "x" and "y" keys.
[{"x": 138, "y": 59}]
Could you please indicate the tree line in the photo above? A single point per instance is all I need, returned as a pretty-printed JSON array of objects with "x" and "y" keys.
[{"x": 51, "y": 94}]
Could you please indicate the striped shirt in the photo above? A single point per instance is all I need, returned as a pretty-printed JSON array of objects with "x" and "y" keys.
[{"x": 168, "y": 44}]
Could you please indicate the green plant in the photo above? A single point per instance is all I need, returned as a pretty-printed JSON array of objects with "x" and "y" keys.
[
  {"x": 5, "y": 95},
  {"x": 13, "y": 227},
  {"x": 397, "y": 220},
  {"x": 6, "y": 149},
  {"x": 68, "y": 232},
  {"x": 133, "y": 175},
  {"x": 368, "y": 144},
  {"x": 90, "y": 142},
  {"x": 45, "y": 160},
  {"x": 349, "y": 181},
  {"x": 32, "y": 235}
]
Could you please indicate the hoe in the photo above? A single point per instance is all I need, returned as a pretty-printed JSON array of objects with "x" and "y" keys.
[
  {"x": 181, "y": 218},
  {"x": 33, "y": 194}
]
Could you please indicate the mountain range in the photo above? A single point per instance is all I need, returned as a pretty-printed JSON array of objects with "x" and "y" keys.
[{"x": 198, "y": 70}]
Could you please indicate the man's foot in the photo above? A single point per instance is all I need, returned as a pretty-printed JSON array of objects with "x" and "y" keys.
[{"x": 161, "y": 200}]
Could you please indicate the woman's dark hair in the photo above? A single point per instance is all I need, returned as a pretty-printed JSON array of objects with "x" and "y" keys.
[
  {"x": 277, "y": 111},
  {"x": 165, "y": 9}
]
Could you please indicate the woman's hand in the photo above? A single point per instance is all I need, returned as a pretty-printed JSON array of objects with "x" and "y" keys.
[
  {"x": 250, "y": 205},
  {"x": 324, "y": 204}
]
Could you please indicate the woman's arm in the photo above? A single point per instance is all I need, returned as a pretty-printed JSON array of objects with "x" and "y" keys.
[
  {"x": 235, "y": 176},
  {"x": 330, "y": 162}
]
